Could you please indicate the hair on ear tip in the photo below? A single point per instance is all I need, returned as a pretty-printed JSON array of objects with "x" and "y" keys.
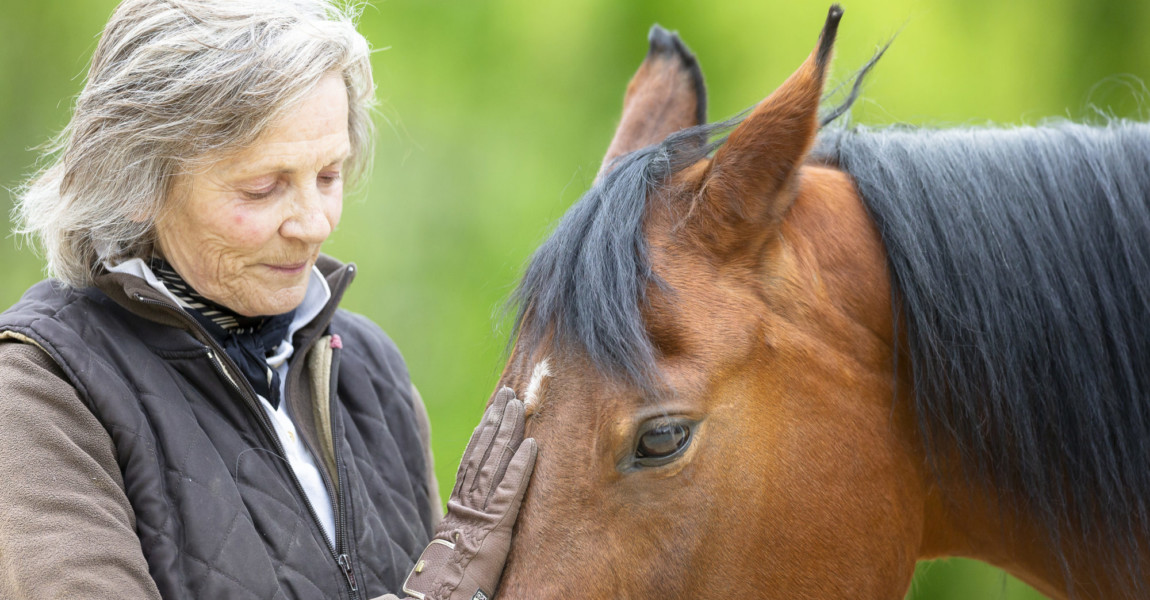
[{"x": 830, "y": 30}]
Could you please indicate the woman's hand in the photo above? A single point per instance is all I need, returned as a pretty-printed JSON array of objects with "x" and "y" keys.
[{"x": 465, "y": 558}]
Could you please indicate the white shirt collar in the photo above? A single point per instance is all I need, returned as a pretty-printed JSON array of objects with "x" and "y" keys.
[{"x": 315, "y": 298}]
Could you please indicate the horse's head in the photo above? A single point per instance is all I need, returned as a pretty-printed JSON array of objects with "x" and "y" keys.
[{"x": 705, "y": 348}]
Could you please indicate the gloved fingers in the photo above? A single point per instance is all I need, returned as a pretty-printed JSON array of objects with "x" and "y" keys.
[
  {"x": 503, "y": 445},
  {"x": 508, "y": 495},
  {"x": 473, "y": 459},
  {"x": 479, "y": 444},
  {"x": 492, "y": 416},
  {"x": 491, "y": 446},
  {"x": 500, "y": 463},
  {"x": 502, "y": 397}
]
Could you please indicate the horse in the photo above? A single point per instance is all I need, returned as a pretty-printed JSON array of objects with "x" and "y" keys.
[{"x": 780, "y": 357}]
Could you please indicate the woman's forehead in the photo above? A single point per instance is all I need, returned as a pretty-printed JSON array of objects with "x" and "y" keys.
[{"x": 311, "y": 135}]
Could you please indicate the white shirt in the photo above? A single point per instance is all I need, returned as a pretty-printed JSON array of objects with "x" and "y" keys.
[{"x": 301, "y": 461}]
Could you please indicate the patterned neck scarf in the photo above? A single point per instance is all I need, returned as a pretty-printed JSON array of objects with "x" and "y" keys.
[{"x": 248, "y": 341}]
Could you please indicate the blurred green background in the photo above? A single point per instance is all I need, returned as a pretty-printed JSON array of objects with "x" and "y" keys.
[{"x": 496, "y": 114}]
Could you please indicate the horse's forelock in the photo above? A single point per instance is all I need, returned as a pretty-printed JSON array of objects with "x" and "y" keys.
[{"x": 586, "y": 286}]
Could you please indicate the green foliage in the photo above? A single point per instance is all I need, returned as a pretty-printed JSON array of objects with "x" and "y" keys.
[{"x": 497, "y": 113}]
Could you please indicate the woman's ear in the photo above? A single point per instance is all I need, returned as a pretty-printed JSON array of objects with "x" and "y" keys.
[{"x": 744, "y": 193}]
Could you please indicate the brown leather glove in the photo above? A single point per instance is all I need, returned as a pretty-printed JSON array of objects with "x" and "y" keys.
[{"x": 465, "y": 557}]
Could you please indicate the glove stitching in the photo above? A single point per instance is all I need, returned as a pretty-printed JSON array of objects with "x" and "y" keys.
[{"x": 494, "y": 488}]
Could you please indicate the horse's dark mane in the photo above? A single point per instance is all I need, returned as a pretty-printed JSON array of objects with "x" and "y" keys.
[{"x": 1021, "y": 260}]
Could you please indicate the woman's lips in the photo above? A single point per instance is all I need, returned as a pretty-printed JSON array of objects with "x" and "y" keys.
[{"x": 289, "y": 268}]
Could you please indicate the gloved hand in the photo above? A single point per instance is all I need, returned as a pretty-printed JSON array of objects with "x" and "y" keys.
[{"x": 465, "y": 557}]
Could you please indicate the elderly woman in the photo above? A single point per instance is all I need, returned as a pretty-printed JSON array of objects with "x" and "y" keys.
[{"x": 187, "y": 413}]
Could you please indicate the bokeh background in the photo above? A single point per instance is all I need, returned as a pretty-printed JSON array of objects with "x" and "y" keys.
[{"x": 495, "y": 114}]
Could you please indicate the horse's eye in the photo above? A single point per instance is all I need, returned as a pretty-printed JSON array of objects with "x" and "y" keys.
[{"x": 662, "y": 442}]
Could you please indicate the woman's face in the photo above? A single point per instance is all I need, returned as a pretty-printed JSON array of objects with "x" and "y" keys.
[{"x": 245, "y": 232}]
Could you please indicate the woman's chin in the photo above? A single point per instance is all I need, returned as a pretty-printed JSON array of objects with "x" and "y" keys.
[
  {"x": 270, "y": 301},
  {"x": 290, "y": 302},
  {"x": 280, "y": 293}
]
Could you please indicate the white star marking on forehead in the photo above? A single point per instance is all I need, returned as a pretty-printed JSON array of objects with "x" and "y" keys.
[{"x": 531, "y": 399}]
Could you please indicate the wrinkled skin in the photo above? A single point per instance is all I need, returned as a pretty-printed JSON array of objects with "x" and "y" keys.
[
  {"x": 801, "y": 479},
  {"x": 246, "y": 231}
]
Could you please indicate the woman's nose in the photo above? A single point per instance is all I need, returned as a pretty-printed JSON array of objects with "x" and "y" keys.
[{"x": 309, "y": 220}]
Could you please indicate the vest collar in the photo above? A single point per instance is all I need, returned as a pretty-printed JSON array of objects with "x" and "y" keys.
[{"x": 138, "y": 296}]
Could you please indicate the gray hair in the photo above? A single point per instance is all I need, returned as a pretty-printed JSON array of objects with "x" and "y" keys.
[{"x": 175, "y": 85}]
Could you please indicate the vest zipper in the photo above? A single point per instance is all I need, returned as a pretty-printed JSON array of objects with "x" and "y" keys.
[
  {"x": 344, "y": 525},
  {"x": 345, "y": 564},
  {"x": 216, "y": 356}
]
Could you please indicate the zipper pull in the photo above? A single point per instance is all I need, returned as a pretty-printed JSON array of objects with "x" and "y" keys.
[{"x": 345, "y": 566}]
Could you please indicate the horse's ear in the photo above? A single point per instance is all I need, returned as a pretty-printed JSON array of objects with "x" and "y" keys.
[
  {"x": 665, "y": 95},
  {"x": 744, "y": 188}
]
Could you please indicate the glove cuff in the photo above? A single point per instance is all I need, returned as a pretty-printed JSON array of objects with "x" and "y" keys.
[{"x": 423, "y": 577}]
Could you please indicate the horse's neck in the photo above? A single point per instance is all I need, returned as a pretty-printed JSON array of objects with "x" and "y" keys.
[
  {"x": 965, "y": 521},
  {"x": 829, "y": 232}
]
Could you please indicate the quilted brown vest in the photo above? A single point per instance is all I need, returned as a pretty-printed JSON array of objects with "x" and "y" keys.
[{"x": 218, "y": 510}]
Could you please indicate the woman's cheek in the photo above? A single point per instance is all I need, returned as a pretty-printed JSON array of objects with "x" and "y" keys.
[{"x": 251, "y": 226}]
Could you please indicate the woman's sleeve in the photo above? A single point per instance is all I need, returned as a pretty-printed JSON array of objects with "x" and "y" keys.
[
  {"x": 66, "y": 527},
  {"x": 424, "y": 423}
]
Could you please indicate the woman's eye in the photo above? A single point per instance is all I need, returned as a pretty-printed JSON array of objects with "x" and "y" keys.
[
  {"x": 260, "y": 193},
  {"x": 329, "y": 178},
  {"x": 663, "y": 441}
]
